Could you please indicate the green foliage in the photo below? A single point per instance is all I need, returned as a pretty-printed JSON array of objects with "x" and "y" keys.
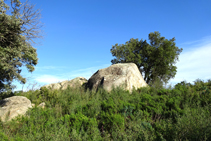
[
  {"x": 155, "y": 60},
  {"x": 3, "y": 137},
  {"x": 180, "y": 113},
  {"x": 127, "y": 111},
  {"x": 16, "y": 29},
  {"x": 204, "y": 90},
  {"x": 79, "y": 122},
  {"x": 6, "y": 94},
  {"x": 110, "y": 121},
  {"x": 146, "y": 125}
]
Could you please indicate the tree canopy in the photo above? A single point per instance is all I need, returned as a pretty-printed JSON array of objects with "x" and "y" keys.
[
  {"x": 19, "y": 26},
  {"x": 156, "y": 60}
]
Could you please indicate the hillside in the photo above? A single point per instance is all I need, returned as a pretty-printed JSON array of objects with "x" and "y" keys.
[{"x": 153, "y": 113}]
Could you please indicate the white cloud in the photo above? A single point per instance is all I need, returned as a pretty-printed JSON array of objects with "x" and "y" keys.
[
  {"x": 48, "y": 79},
  {"x": 194, "y": 62}
]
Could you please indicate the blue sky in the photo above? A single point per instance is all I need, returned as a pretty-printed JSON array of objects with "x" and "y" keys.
[{"x": 80, "y": 33}]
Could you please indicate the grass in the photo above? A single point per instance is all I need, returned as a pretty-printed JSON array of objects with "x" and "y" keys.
[{"x": 153, "y": 113}]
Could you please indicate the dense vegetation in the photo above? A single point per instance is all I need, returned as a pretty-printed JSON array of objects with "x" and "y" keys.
[{"x": 152, "y": 113}]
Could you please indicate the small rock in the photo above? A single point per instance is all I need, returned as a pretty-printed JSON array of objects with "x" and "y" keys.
[
  {"x": 42, "y": 105},
  {"x": 33, "y": 105}
]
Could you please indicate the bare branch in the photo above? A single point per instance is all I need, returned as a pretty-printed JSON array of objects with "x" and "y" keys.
[{"x": 31, "y": 25}]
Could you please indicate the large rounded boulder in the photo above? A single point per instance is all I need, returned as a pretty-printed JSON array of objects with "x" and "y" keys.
[
  {"x": 126, "y": 75},
  {"x": 13, "y": 106}
]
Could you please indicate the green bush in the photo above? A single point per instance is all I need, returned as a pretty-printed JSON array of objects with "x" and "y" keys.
[
  {"x": 150, "y": 113},
  {"x": 3, "y": 137}
]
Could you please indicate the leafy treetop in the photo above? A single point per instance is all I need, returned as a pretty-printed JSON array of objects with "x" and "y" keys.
[
  {"x": 19, "y": 26},
  {"x": 155, "y": 60}
]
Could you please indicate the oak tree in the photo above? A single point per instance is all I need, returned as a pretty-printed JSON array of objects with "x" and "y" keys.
[
  {"x": 19, "y": 27},
  {"x": 155, "y": 60}
]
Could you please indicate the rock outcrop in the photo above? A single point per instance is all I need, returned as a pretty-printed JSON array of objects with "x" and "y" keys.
[
  {"x": 78, "y": 81},
  {"x": 122, "y": 74},
  {"x": 13, "y": 106}
]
